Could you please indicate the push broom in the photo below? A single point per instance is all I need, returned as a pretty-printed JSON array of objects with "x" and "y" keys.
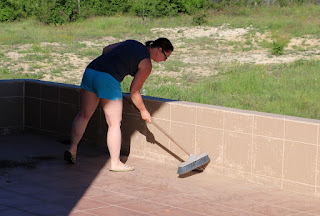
[{"x": 194, "y": 161}]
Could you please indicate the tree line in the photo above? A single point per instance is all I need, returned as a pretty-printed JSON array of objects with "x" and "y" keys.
[{"x": 63, "y": 11}]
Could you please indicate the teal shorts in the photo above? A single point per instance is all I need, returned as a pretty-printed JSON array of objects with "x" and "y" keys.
[{"x": 102, "y": 84}]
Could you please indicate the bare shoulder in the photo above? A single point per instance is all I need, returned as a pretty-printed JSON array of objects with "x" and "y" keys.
[{"x": 145, "y": 64}]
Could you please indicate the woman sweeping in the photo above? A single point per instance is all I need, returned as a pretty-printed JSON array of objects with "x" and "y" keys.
[{"x": 101, "y": 83}]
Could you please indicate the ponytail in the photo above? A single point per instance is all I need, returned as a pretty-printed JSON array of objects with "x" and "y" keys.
[
  {"x": 163, "y": 43},
  {"x": 149, "y": 43}
]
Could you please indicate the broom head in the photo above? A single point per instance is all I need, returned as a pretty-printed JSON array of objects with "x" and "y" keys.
[{"x": 194, "y": 162}]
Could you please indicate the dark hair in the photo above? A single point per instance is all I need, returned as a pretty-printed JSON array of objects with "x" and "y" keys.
[{"x": 163, "y": 43}]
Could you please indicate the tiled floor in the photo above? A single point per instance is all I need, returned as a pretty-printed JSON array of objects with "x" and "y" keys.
[{"x": 34, "y": 180}]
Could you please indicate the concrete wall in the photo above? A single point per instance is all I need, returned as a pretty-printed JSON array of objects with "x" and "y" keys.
[
  {"x": 275, "y": 150},
  {"x": 11, "y": 106}
]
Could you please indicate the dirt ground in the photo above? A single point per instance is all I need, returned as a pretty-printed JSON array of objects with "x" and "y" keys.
[{"x": 198, "y": 50}]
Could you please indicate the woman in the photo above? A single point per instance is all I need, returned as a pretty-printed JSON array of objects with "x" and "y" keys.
[{"x": 101, "y": 83}]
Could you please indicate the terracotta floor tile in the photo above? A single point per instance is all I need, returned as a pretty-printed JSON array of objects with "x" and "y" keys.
[
  {"x": 177, "y": 200},
  {"x": 46, "y": 209},
  {"x": 14, "y": 212},
  {"x": 95, "y": 191},
  {"x": 270, "y": 210},
  {"x": 120, "y": 186},
  {"x": 265, "y": 198},
  {"x": 304, "y": 214},
  {"x": 239, "y": 213},
  {"x": 208, "y": 208},
  {"x": 114, "y": 198},
  {"x": 236, "y": 202},
  {"x": 303, "y": 204},
  {"x": 175, "y": 212},
  {"x": 147, "y": 193},
  {"x": 79, "y": 213},
  {"x": 210, "y": 195},
  {"x": 145, "y": 206},
  {"x": 114, "y": 211},
  {"x": 86, "y": 203},
  {"x": 20, "y": 201},
  {"x": 316, "y": 212}
]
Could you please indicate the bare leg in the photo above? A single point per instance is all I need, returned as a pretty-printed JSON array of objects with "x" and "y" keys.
[
  {"x": 113, "y": 113},
  {"x": 89, "y": 103}
]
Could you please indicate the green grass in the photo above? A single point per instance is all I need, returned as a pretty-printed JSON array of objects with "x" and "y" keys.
[
  {"x": 5, "y": 73},
  {"x": 31, "y": 31},
  {"x": 296, "y": 21},
  {"x": 288, "y": 89}
]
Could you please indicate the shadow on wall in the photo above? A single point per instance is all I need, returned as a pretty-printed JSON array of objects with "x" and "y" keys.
[{"x": 133, "y": 122}]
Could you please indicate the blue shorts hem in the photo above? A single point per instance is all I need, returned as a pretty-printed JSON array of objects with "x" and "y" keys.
[{"x": 102, "y": 84}]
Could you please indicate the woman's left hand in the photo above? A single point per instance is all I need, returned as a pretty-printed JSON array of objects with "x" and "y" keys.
[{"x": 145, "y": 115}]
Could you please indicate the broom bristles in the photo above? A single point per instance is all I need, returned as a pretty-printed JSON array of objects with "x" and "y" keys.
[{"x": 194, "y": 162}]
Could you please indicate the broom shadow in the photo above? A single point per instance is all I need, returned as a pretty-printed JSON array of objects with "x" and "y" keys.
[
  {"x": 142, "y": 128},
  {"x": 150, "y": 138}
]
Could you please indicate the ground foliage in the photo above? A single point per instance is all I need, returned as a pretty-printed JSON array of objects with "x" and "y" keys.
[{"x": 63, "y": 11}]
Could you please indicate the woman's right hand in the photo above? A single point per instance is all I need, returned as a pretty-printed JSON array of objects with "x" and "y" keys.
[{"x": 145, "y": 115}]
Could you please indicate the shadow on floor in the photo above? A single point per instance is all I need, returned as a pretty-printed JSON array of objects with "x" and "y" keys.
[{"x": 35, "y": 179}]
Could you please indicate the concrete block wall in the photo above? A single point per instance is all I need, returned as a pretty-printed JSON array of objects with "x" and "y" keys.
[
  {"x": 11, "y": 106},
  {"x": 45, "y": 107},
  {"x": 274, "y": 150}
]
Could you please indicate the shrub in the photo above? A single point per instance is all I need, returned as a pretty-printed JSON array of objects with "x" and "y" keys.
[
  {"x": 154, "y": 8},
  {"x": 57, "y": 11},
  {"x": 199, "y": 19},
  {"x": 279, "y": 43},
  {"x": 7, "y": 11}
]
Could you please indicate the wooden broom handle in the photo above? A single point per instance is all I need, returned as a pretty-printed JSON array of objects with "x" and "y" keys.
[{"x": 165, "y": 133}]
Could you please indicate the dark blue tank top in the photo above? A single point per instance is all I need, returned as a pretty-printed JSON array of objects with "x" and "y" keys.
[{"x": 122, "y": 60}]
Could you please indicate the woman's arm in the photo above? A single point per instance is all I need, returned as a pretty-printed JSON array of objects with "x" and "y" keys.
[{"x": 144, "y": 71}]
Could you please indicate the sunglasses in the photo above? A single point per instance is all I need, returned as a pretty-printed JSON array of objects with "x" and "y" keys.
[{"x": 164, "y": 54}]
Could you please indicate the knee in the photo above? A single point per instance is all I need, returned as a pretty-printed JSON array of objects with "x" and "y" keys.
[
  {"x": 114, "y": 124},
  {"x": 84, "y": 116}
]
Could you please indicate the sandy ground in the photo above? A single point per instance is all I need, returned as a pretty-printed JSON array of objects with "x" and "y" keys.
[{"x": 198, "y": 50}]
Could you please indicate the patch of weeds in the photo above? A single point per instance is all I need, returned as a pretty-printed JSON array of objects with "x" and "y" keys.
[
  {"x": 175, "y": 66},
  {"x": 72, "y": 81},
  {"x": 188, "y": 78},
  {"x": 180, "y": 31},
  {"x": 90, "y": 53},
  {"x": 20, "y": 69},
  {"x": 79, "y": 45},
  {"x": 279, "y": 42},
  {"x": 56, "y": 72},
  {"x": 36, "y": 48},
  {"x": 34, "y": 57},
  {"x": 6, "y": 73},
  {"x": 248, "y": 42},
  {"x": 200, "y": 19},
  {"x": 201, "y": 41},
  {"x": 69, "y": 66},
  {"x": 35, "y": 66},
  {"x": 2, "y": 55},
  {"x": 237, "y": 46}
]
